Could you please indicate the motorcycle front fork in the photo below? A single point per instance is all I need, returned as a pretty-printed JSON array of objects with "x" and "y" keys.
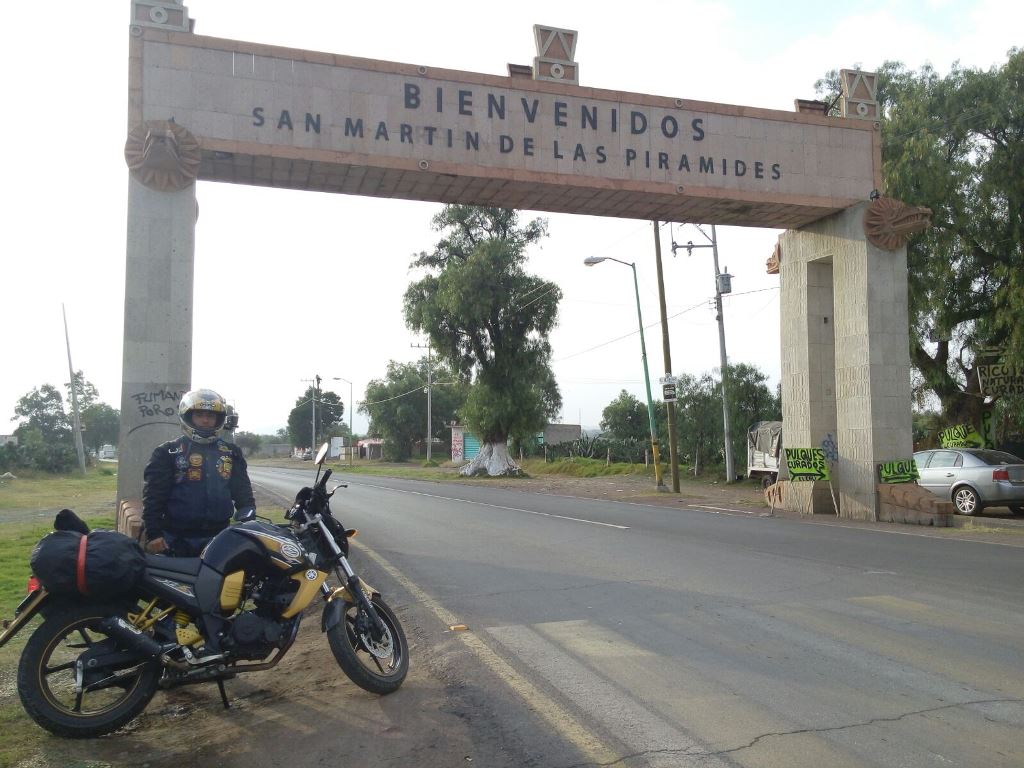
[{"x": 355, "y": 589}]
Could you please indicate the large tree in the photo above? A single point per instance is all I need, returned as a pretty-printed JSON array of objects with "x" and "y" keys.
[
  {"x": 86, "y": 392},
  {"x": 330, "y": 410},
  {"x": 100, "y": 424},
  {"x": 956, "y": 145},
  {"x": 490, "y": 319},
  {"x": 701, "y": 427},
  {"x": 397, "y": 405},
  {"x": 43, "y": 411},
  {"x": 626, "y": 418}
]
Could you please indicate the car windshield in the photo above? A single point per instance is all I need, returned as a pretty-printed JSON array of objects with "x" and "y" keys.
[{"x": 996, "y": 457}]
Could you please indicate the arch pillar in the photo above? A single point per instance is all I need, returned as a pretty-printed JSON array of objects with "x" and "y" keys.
[
  {"x": 157, "y": 354},
  {"x": 845, "y": 356}
]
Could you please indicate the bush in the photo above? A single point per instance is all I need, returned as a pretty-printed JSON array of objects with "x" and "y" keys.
[{"x": 55, "y": 458}]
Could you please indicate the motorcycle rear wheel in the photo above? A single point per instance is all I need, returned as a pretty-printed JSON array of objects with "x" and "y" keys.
[
  {"x": 47, "y": 673},
  {"x": 376, "y": 667}
]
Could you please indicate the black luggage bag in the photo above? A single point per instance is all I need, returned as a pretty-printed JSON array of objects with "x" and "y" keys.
[{"x": 99, "y": 565}]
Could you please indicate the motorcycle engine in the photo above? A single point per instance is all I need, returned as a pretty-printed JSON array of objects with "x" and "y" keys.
[{"x": 253, "y": 636}]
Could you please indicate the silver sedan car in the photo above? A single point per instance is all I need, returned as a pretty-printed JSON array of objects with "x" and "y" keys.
[{"x": 973, "y": 478}]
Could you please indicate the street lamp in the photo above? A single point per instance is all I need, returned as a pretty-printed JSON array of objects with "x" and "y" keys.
[
  {"x": 351, "y": 405},
  {"x": 591, "y": 261}
]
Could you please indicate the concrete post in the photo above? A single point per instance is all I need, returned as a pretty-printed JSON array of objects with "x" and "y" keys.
[
  {"x": 845, "y": 356},
  {"x": 157, "y": 356}
]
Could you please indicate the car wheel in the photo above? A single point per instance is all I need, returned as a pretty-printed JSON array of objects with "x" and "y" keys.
[
  {"x": 1017, "y": 509},
  {"x": 966, "y": 500}
]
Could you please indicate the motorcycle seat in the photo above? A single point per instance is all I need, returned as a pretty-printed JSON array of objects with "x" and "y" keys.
[{"x": 185, "y": 565}]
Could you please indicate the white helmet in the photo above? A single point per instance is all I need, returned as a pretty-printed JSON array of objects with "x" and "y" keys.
[{"x": 201, "y": 400}]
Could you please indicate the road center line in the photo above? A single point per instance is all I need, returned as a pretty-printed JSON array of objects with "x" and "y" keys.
[{"x": 496, "y": 506}]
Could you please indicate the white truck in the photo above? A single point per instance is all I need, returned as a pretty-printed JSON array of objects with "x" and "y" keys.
[{"x": 764, "y": 451}]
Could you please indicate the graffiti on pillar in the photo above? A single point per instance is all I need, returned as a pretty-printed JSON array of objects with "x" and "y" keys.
[{"x": 156, "y": 403}]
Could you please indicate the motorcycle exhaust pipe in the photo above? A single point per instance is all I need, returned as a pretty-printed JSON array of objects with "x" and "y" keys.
[{"x": 136, "y": 639}]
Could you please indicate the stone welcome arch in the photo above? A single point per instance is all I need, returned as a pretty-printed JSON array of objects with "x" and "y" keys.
[{"x": 210, "y": 109}]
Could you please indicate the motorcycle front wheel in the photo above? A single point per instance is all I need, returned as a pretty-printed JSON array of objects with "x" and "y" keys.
[
  {"x": 375, "y": 666},
  {"x": 81, "y": 700}
]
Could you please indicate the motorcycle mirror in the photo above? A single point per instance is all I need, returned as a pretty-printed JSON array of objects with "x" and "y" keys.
[{"x": 322, "y": 454}]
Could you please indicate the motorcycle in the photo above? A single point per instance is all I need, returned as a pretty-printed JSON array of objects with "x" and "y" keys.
[{"x": 91, "y": 667}]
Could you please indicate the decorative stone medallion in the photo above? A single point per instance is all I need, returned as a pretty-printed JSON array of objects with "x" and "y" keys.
[
  {"x": 160, "y": 14},
  {"x": 775, "y": 260},
  {"x": 889, "y": 223},
  {"x": 162, "y": 155}
]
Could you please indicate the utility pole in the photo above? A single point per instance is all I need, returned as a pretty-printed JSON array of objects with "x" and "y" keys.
[
  {"x": 670, "y": 407},
  {"x": 76, "y": 423},
  {"x": 723, "y": 284},
  {"x": 316, "y": 386},
  {"x": 430, "y": 372}
]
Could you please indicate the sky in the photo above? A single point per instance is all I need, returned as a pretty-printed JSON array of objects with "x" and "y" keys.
[{"x": 291, "y": 284}]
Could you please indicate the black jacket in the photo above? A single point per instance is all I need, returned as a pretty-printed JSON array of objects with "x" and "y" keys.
[{"x": 191, "y": 489}]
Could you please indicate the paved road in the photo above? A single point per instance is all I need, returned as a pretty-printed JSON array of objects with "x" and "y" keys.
[{"x": 602, "y": 632}]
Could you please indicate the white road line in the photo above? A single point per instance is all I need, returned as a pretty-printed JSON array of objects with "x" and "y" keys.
[
  {"x": 660, "y": 743},
  {"x": 722, "y": 509},
  {"x": 496, "y": 506}
]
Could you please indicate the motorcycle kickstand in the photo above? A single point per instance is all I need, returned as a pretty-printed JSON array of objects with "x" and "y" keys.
[{"x": 223, "y": 694}]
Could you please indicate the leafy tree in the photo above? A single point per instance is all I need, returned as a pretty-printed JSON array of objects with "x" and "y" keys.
[
  {"x": 397, "y": 405},
  {"x": 329, "y": 412},
  {"x": 700, "y": 430},
  {"x": 43, "y": 408},
  {"x": 87, "y": 394},
  {"x": 698, "y": 420},
  {"x": 626, "y": 418},
  {"x": 249, "y": 442},
  {"x": 750, "y": 401},
  {"x": 956, "y": 145},
  {"x": 490, "y": 320},
  {"x": 102, "y": 425}
]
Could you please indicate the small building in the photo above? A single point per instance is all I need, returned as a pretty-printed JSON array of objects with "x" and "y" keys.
[
  {"x": 8, "y": 440},
  {"x": 371, "y": 448},
  {"x": 466, "y": 445}
]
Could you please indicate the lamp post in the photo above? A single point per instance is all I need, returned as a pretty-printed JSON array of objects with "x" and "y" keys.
[
  {"x": 591, "y": 261},
  {"x": 316, "y": 388},
  {"x": 351, "y": 405},
  {"x": 722, "y": 280}
]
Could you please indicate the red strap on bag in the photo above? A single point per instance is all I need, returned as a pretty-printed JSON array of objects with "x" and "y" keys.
[{"x": 80, "y": 568}]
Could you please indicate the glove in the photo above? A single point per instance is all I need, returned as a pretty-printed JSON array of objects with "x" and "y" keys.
[
  {"x": 156, "y": 546},
  {"x": 245, "y": 514}
]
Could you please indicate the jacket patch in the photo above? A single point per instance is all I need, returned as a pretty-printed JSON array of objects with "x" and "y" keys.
[
  {"x": 195, "y": 474},
  {"x": 196, "y": 459},
  {"x": 224, "y": 467}
]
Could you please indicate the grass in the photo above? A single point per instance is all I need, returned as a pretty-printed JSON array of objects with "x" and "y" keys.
[
  {"x": 22, "y": 738},
  {"x": 95, "y": 491}
]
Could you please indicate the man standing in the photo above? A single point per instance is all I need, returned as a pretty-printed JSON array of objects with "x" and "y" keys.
[{"x": 194, "y": 483}]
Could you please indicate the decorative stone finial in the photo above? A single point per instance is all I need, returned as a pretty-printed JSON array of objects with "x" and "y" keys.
[
  {"x": 556, "y": 52},
  {"x": 775, "y": 260},
  {"x": 161, "y": 14},
  {"x": 162, "y": 155},
  {"x": 859, "y": 94},
  {"x": 888, "y": 223}
]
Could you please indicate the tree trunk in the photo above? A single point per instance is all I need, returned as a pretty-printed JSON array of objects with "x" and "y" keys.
[{"x": 493, "y": 461}]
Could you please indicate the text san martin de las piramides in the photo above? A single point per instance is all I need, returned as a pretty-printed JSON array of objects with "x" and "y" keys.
[{"x": 683, "y": 134}]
